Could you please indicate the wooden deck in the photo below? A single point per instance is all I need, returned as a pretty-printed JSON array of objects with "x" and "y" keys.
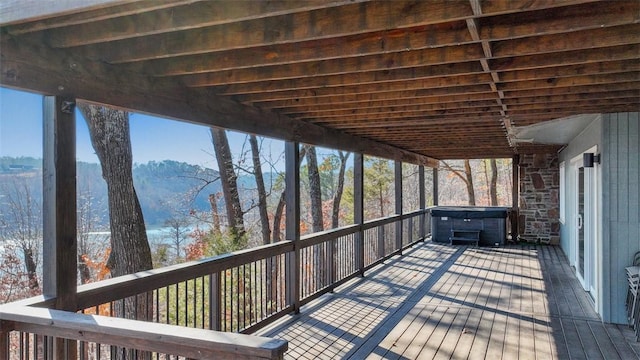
[{"x": 441, "y": 302}]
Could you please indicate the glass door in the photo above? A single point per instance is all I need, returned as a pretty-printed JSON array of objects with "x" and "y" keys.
[
  {"x": 585, "y": 227},
  {"x": 581, "y": 224}
]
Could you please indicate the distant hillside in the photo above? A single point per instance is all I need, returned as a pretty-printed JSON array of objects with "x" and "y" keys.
[{"x": 163, "y": 187}]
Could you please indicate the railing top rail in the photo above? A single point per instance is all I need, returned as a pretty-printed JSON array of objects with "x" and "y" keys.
[
  {"x": 170, "y": 339},
  {"x": 104, "y": 291}
]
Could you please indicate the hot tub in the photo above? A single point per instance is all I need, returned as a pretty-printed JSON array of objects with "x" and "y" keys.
[{"x": 490, "y": 221}]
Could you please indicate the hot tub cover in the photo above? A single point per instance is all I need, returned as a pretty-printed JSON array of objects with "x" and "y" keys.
[{"x": 469, "y": 212}]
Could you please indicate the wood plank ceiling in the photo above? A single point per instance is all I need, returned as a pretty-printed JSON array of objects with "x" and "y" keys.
[{"x": 443, "y": 78}]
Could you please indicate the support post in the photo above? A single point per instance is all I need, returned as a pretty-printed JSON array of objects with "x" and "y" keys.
[
  {"x": 435, "y": 186},
  {"x": 5, "y": 330},
  {"x": 515, "y": 201},
  {"x": 358, "y": 207},
  {"x": 423, "y": 202},
  {"x": 60, "y": 244},
  {"x": 398, "y": 192},
  {"x": 292, "y": 195}
]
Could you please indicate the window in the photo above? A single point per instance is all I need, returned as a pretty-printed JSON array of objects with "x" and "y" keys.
[{"x": 562, "y": 192}]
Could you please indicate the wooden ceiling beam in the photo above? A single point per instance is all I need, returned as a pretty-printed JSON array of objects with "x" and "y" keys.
[
  {"x": 385, "y": 124},
  {"x": 634, "y": 93},
  {"x": 296, "y": 27},
  {"x": 574, "y": 90},
  {"x": 386, "y": 61},
  {"x": 417, "y": 109},
  {"x": 572, "y": 57},
  {"x": 472, "y": 25},
  {"x": 559, "y": 112},
  {"x": 183, "y": 16},
  {"x": 576, "y": 105},
  {"x": 375, "y": 43},
  {"x": 444, "y": 133},
  {"x": 351, "y": 19},
  {"x": 358, "y": 78},
  {"x": 470, "y": 93},
  {"x": 421, "y": 85},
  {"x": 29, "y": 10},
  {"x": 605, "y": 67},
  {"x": 56, "y": 72},
  {"x": 572, "y": 81},
  {"x": 589, "y": 39},
  {"x": 585, "y": 39},
  {"x": 126, "y": 8},
  {"x": 388, "y": 108},
  {"x": 561, "y": 19},
  {"x": 326, "y": 119},
  {"x": 454, "y": 101}
]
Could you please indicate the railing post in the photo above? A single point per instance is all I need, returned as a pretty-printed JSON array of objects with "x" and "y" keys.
[
  {"x": 358, "y": 208},
  {"x": 435, "y": 186},
  {"x": 292, "y": 195},
  {"x": 215, "y": 301},
  {"x": 398, "y": 193},
  {"x": 381, "y": 242},
  {"x": 421, "y": 184},
  {"x": 59, "y": 211},
  {"x": 515, "y": 194},
  {"x": 5, "y": 330}
]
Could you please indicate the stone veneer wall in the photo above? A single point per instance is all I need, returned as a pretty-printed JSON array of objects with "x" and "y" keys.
[{"x": 539, "y": 219}]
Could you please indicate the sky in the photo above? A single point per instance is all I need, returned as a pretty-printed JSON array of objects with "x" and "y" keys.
[{"x": 152, "y": 138}]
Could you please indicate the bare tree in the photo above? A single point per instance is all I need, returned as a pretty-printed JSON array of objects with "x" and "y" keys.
[
  {"x": 493, "y": 187},
  {"x": 262, "y": 192},
  {"x": 22, "y": 222},
  {"x": 109, "y": 130},
  {"x": 178, "y": 228},
  {"x": 465, "y": 175},
  {"x": 315, "y": 190},
  {"x": 337, "y": 197},
  {"x": 215, "y": 214},
  {"x": 89, "y": 243},
  {"x": 229, "y": 186}
]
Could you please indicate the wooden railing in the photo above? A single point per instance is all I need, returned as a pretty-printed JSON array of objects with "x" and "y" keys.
[{"x": 237, "y": 292}]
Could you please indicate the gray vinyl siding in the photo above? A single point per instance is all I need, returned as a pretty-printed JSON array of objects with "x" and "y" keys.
[{"x": 620, "y": 208}]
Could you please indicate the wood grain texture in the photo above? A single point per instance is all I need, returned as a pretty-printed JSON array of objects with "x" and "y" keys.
[
  {"x": 169, "y": 339},
  {"x": 442, "y": 302}
]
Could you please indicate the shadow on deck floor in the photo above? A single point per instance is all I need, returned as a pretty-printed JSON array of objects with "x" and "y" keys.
[{"x": 441, "y": 302}]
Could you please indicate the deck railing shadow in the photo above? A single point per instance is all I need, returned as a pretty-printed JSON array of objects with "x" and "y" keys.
[{"x": 238, "y": 292}]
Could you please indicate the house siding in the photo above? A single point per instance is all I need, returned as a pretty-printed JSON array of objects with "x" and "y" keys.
[{"x": 620, "y": 208}]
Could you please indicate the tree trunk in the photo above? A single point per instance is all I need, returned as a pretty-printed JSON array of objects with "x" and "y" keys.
[
  {"x": 215, "y": 215},
  {"x": 315, "y": 192},
  {"x": 30, "y": 265},
  {"x": 229, "y": 187},
  {"x": 83, "y": 269},
  {"x": 262, "y": 192},
  {"x": 469, "y": 175},
  {"x": 335, "y": 213},
  {"x": 130, "y": 252},
  {"x": 493, "y": 188},
  {"x": 487, "y": 181},
  {"x": 110, "y": 137}
]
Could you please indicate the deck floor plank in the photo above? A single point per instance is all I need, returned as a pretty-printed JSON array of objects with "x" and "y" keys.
[
  {"x": 424, "y": 333},
  {"x": 438, "y": 301}
]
